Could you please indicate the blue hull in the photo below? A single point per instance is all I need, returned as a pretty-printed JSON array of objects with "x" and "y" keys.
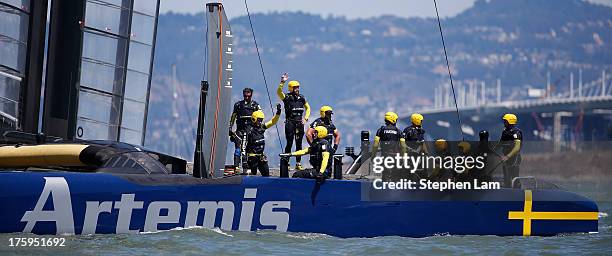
[{"x": 60, "y": 202}]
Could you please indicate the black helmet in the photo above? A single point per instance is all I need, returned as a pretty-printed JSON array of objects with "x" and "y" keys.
[
  {"x": 484, "y": 135},
  {"x": 249, "y": 90}
]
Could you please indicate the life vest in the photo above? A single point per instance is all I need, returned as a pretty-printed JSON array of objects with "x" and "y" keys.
[
  {"x": 243, "y": 111},
  {"x": 256, "y": 141},
  {"x": 508, "y": 137},
  {"x": 414, "y": 133},
  {"x": 295, "y": 105},
  {"x": 331, "y": 128},
  {"x": 389, "y": 136},
  {"x": 316, "y": 152}
]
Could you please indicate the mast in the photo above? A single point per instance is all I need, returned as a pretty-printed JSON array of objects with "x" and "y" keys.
[{"x": 219, "y": 69}]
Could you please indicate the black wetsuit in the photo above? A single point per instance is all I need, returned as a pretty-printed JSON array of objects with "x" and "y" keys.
[
  {"x": 389, "y": 145},
  {"x": 243, "y": 111},
  {"x": 316, "y": 159},
  {"x": 295, "y": 105},
  {"x": 316, "y": 154},
  {"x": 256, "y": 144},
  {"x": 390, "y": 137},
  {"x": 331, "y": 129},
  {"x": 414, "y": 135},
  {"x": 511, "y": 166},
  {"x": 329, "y": 125}
]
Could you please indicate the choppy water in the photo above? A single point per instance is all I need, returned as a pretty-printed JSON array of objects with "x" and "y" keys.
[{"x": 200, "y": 241}]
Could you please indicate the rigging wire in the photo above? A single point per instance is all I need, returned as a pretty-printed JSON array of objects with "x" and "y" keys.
[
  {"x": 450, "y": 76},
  {"x": 262, "y": 70},
  {"x": 190, "y": 115}
]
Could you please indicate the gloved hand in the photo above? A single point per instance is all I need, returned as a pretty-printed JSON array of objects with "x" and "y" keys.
[
  {"x": 334, "y": 149},
  {"x": 320, "y": 177},
  {"x": 284, "y": 77},
  {"x": 278, "y": 109}
]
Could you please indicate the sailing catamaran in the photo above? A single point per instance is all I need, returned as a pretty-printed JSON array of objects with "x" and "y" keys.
[{"x": 54, "y": 186}]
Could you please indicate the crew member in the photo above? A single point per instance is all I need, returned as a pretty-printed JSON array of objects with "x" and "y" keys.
[
  {"x": 389, "y": 136},
  {"x": 333, "y": 135},
  {"x": 391, "y": 142},
  {"x": 319, "y": 152},
  {"x": 441, "y": 146},
  {"x": 415, "y": 134},
  {"x": 438, "y": 171},
  {"x": 510, "y": 142},
  {"x": 256, "y": 142},
  {"x": 464, "y": 150},
  {"x": 297, "y": 112},
  {"x": 241, "y": 115}
]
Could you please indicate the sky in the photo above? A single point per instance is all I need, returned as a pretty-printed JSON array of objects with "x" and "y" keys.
[{"x": 349, "y": 8}]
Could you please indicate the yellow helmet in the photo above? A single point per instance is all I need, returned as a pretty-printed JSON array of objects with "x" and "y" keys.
[
  {"x": 441, "y": 144},
  {"x": 510, "y": 118},
  {"x": 416, "y": 118},
  {"x": 324, "y": 109},
  {"x": 464, "y": 146},
  {"x": 293, "y": 84},
  {"x": 257, "y": 115},
  {"x": 321, "y": 132},
  {"x": 391, "y": 117}
]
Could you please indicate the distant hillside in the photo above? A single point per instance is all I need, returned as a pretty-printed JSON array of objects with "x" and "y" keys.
[{"x": 365, "y": 67}]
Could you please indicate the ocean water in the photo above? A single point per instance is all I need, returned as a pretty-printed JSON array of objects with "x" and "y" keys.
[{"x": 199, "y": 241}]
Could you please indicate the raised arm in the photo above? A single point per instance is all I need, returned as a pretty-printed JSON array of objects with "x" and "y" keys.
[
  {"x": 273, "y": 121},
  {"x": 279, "y": 90},
  {"x": 275, "y": 118}
]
